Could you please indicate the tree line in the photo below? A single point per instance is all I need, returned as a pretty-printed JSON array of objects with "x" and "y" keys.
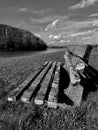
[{"x": 15, "y": 39}]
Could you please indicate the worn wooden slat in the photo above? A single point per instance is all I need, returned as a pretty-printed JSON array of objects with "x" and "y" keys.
[
  {"x": 93, "y": 79},
  {"x": 53, "y": 95},
  {"x": 26, "y": 97},
  {"x": 74, "y": 76},
  {"x": 75, "y": 93},
  {"x": 91, "y": 75},
  {"x": 90, "y": 71},
  {"x": 40, "y": 97},
  {"x": 16, "y": 93},
  {"x": 84, "y": 79},
  {"x": 82, "y": 75},
  {"x": 87, "y": 74}
]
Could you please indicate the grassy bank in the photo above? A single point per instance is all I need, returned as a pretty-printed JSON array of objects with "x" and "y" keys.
[{"x": 17, "y": 116}]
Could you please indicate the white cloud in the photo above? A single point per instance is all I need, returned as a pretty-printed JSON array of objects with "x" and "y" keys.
[
  {"x": 72, "y": 29},
  {"x": 62, "y": 41},
  {"x": 51, "y": 25},
  {"x": 57, "y": 37},
  {"x": 42, "y": 11},
  {"x": 22, "y": 10},
  {"x": 95, "y": 23},
  {"x": 83, "y": 4},
  {"x": 45, "y": 19},
  {"x": 93, "y": 15},
  {"x": 80, "y": 33},
  {"x": 50, "y": 36},
  {"x": 54, "y": 36},
  {"x": 55, "y": 21},
  {"x": 20, "y": 24},
  {"x": 38, "y": 35}
]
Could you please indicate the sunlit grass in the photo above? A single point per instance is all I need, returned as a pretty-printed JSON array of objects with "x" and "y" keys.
[{"x": 18, "y": 116}]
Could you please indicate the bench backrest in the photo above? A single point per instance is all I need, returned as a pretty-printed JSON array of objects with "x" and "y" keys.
[{"x": 82, "y": 51}]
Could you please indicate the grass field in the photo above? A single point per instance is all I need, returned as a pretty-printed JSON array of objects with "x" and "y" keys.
[{"x": 18, "y": 116}]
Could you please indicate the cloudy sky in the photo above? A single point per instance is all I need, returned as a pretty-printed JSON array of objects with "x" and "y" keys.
[{"x": 49, "y": 16}]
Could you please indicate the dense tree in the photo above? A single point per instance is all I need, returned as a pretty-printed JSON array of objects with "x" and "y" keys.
[{"x": 14, "y": 39}]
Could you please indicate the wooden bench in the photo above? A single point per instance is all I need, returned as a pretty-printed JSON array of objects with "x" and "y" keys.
[
  {"x": 89, "y": 75},
  {"x": 41, "y": 88},
  {"x": 45, "y": 86}
]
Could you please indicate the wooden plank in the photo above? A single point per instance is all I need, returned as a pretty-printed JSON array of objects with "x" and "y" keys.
[
  {"x": 87, "y": 53},
  {"x": 81, "y": 74},
  {"x": 16, "y": 93},
  {"x": 87, "y": 74},
  {"x": 27, "y": 95},
  {"x": 53, "y": 95},
  {"x": 39, "y": 99},
  {"x": 90, "y": 71},
  {"x": 74, "y": 76},
  {"x": 78, "y": 49},
  {"x": 91, "y": 78},
  {"x": 84, "y": 80},
  {"x": 74, "y": 93}
]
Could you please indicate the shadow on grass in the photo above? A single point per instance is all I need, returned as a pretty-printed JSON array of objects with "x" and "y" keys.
[
  {"x": 64, "y": 82},
  {"x": 90, "y": 83}
]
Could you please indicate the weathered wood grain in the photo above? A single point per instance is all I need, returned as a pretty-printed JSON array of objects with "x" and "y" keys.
[
  {"x": 16, "y": 93},
  {"x": 26, "y": 97},
  {"x": 53, "y": 95},
  {"x": 39, "y": 99},
  {"x": 75, "y": 93},
  {"x": 92, "y": 73},
  {"x": 81, "y": 74}
]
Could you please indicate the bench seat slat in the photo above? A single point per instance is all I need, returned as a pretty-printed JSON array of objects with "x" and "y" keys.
[
  {"x": 29, "y": 92},
  {"x": 53, "y": 95},
  {"x": 90, "y": 71},
  {"x": 15, "y": 94},
  {"x": 39, "y": 99},
  {"x": 74, "y": 93}
]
